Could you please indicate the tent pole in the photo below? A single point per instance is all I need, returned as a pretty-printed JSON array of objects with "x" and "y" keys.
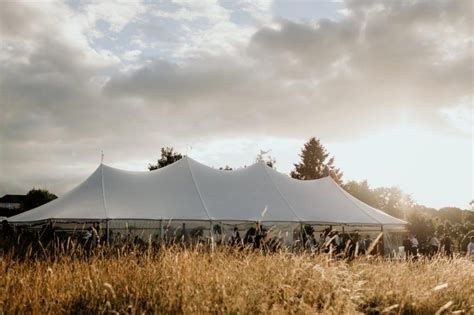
[
  {"x": 107, "y": 231},
  {"x": 383, "y": 241},
  {"x": 212, "y": 236},
  {"x": 343, "y": 237},
  {"x": 161, "y": 231},
  {"x": 301, "y": 233}
]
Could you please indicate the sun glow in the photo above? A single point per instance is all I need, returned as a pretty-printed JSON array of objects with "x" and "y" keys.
[{"x": 436, "y": 169}]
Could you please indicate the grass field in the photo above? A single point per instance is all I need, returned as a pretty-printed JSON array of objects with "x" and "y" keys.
[{"x": 231, "y": 281}]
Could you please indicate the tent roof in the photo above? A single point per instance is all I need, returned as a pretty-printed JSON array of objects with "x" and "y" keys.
[{"x": 188, "y": 190}]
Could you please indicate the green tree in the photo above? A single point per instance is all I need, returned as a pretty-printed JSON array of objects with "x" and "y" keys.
[
  {"x": 393, "y": 201},
  {"x": 452, "y": 214},
  {"x": 468, "y": 216},
  {"x": 362, "y": 191},
  {"x": 37, "y": 197},
  {"x": 421, "y": 225},
  {"x": 168, "y": 156},
  {"x": 316, "y": 163},
  {"x": 389, "y": 199}
]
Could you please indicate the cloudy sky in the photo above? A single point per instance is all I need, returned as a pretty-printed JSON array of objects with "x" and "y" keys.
[{"x": 386, "y": 86}]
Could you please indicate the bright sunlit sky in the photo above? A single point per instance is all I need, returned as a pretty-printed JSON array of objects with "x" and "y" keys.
[{"x": 386, "y": 85}]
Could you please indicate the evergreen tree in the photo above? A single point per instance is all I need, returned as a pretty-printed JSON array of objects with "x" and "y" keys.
[
  {"x": 315, "y": 163},
  {"x": 168, "y": 156}
]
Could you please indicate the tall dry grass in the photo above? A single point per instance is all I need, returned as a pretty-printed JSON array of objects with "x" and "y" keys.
[{"x": 231, "y": 281}]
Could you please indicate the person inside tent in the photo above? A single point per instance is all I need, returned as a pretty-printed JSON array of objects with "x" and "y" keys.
[
  {"x": 47, "y": 233},
  {"x": 447, "y": 243},
  {"x": 337, "y": 242},
  {"x": 95, "y": 230},
  {"x": 367, "y": 243},
  {"x": 362, "y": 246},
  {"x": 249, "y": 237},
  {"x": 184, "y": 235},
  {"x": 308, "y": 236},
  {"x": 434, "y": 245},
  {"x": 321, "y": 239},
  {"x": 414, "y": 245},
  {"x": 259, "y": 236},
  {"x": 87, "y": 235},
  {"x": 327, "y": 231},
  {"x": 332, "y": 242},
  {"x": 354, "y": 247},
  {"x": 6, "y": 229},
  {"x": 327, "y": 241},
  {"x": 90, "y": 237},
  {"x": 470, "y": 249},
  {"x": 235, "y": 237},
  {"x": 407, "y": 246},
  {"x": 7, "y": 235}
]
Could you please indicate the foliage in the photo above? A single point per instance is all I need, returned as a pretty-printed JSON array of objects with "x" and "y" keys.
[
  {"x": 453, "y": 222},
  {"x": 420, "y": 225},
  {"x": 37, "y": 197},
  {"x": 423, "y": 222},
  {"x": 315, "y": 163},
  {"x": 389, "y": 199},
  {"x": 168, "y": 156},
  {"x": 174, "y": 280}
]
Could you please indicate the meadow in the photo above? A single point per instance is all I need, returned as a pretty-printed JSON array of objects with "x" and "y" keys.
[{"x": 227, "y": 280}]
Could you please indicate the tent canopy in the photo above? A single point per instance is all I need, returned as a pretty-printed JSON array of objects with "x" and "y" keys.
[{"x": 188, "y": 190}]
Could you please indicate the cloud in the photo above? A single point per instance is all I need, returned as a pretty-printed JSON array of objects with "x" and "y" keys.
[
  {"x": 208, "y": 71},
  {"x": 398, "y": 50},
  {"x": 382, "y": 65}
]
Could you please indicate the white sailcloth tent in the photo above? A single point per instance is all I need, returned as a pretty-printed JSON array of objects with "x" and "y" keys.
[{"x": 190, "y": 191}]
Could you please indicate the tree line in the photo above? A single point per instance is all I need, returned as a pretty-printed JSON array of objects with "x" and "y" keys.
[{"x": 316, "y": 162}]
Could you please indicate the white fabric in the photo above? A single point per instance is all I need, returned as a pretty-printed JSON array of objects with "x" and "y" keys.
[
  {"x": 188, "y": 190},
  {"x": 434, "y": 241}
]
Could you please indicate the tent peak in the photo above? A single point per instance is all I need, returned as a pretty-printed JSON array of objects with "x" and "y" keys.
[{"x": 190, "y": 190}]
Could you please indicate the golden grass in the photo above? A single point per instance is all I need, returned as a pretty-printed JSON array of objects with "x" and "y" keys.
[{"x": 232, "y": 281}]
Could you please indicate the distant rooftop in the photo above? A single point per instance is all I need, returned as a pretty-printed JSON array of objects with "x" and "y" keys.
[{"x": 12, "y": 199}]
